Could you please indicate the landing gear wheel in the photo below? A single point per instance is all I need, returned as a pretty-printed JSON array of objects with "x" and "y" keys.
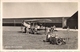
[{"x": 59, "y": 41}]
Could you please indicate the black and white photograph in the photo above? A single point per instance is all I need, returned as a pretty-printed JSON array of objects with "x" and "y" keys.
[{"x": 40, "y": 25}]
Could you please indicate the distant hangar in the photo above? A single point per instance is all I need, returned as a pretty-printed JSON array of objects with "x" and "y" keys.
[{"x": 64, "y": 22}]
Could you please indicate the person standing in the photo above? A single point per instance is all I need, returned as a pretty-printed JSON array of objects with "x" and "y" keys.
[
  {"x": 27, "y": 26},
  {"x": 54, "y": 27}
]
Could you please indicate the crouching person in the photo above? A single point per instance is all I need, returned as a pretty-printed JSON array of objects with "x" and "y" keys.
[
  {"x": 49, "y": 36},
  {"x": 53, "y": 38}
]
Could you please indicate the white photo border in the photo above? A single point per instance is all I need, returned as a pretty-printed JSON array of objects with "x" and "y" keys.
[{"x": 78, "y": 1}]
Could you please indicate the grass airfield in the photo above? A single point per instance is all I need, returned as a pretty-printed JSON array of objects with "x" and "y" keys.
[{"x": 13, "y": 38}]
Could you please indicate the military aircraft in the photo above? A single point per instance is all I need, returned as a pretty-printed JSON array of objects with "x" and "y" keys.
[{"x": 35, "y": 25}]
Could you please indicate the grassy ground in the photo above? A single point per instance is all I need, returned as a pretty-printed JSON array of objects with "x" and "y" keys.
[{"x": 14, "y": 39}]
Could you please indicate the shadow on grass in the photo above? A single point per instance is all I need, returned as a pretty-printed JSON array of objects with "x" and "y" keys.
[
  {"x": 31, "y": 33},
  {"x": 20, "y": 32}
]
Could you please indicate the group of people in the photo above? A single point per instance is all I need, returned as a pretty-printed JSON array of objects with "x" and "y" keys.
[
  {"x": 34, "y": 27},
  {"x": 50, "y": 32},
  {"x": 27, "y": 26}
]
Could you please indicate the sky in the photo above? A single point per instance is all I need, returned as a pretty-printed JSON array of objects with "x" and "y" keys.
[{"x": 39, "y": 9}]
